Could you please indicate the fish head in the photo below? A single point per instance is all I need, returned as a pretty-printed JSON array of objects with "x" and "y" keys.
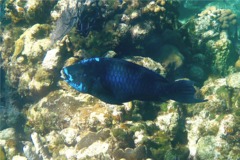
[{"x": 76, "y": 77}]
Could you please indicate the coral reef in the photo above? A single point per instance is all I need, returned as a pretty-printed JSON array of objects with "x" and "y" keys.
[
  {"x": 34, "y": 61},
  {"x": 148, "y": 63},
  {"x": 96, "y": 130},
  {"x": 32, "y": 69},
  {"x": 117, "y": 22},
  {"x": 10, "y": 114},
  {"x": 8, "y": 143},
  {"x": 237, "y": 64},
  {"x": 170, "y": 57},
  {"x": 60, "y": 123},
  {"x": 82, "y": 14},
  {"x": 29, "y": 11},
  {"x": 211, "y": 33},
  {"x": 215, "y": 121}
]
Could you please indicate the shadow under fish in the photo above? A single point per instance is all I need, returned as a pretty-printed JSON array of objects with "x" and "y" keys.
[{"x": 116, "y": 81}]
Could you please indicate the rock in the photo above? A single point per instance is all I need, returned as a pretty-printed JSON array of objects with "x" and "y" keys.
[
  {"x": 148, "y": 63},
  {"x": 8, "y": 133},
  {"x": 206, "y": 147},
  {"x": 64, "y": 124},
  {"x": 38, "y": 144},
  {"x": 32, "y": 72},
  {"x": 69, "y": 135},
  {"x": 170, "y": 57},
  {"x": 30, "y": 151},
  {"x": 51, "y": 60},
  {"x": 168, "y": 122},
  {"x": 196, "y": 73},
  {"x": 233, "y": 80},
  {"x": 2, "y": 154},
  {"x": 30, "y": 47},
  {"x": 95, "y": 150},
  {"x": 237, "y": 63},
  {"x": 212, "y": 127},
  {"x": 211, "y": 34},
  {"x": 8, "y": 141},
  {"x": 64, "y": 108},
  {"x": 91, "y": 137},
  {"x": 29, "y": 11},
  {"x": 129, "y": 153},
  {"x": 19, "y": 158},
  {"x": 139, "y": 33},
  {"x": 226, "y": 126}
]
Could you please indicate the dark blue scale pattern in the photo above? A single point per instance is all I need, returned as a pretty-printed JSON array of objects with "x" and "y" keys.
[
  {"x": 116, "y": 81},
  {"x": 123, "y": 81}
]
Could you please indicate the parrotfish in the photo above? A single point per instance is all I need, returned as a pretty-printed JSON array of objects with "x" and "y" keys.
[{"x": 116, "y": 81}]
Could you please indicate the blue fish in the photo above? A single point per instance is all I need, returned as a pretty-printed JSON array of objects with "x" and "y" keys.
[{"x": 116, "y": 81}]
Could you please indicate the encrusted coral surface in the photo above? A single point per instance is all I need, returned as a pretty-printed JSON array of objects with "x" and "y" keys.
[
  {"x": 41, "y": 117},
  {"x": 213, "y": 32}
]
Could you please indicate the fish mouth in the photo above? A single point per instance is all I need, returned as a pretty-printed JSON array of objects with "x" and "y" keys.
[
  {"x": 66, "y": 75},
  {"x": 63, "y": 75}
]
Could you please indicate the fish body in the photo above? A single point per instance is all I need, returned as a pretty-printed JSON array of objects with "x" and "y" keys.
[{"x": 117, "y": 81}]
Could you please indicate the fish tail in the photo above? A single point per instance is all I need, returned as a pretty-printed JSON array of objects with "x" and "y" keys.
[{"x": 183, "y": 91}]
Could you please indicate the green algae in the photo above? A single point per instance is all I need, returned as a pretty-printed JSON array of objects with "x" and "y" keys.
[
  {"x": 234, "y": 153},
  {"x": 42, "y": 120},
  {"x": 205, "y": 148},
  {"x": 180, "y": 152},
  {"x": 2, "y": 154},
  {"x": 11, "y": 34},
  {"x": 141, "y": 110},
  {"x": 55, "y": 151},
  {"x": 97, "y": 44},
  {"x": 120, "y": 134},
  {"x": 59, "y": 157},
  {"x": 44, "y": 77},
  {"x": 164, "y": 107},
  {"x": 208, "y": 131},
  {"x": 19, "y": 45},
  {"x": 23, "y": 11},
  {"x": 159, "y": 144},
  {"x": 194, "y": 110}
]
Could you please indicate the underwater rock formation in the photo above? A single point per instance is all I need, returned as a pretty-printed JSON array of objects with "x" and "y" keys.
[
  {"x": 212, "y": 33},
  {"x": 33, "y": 68},
  {"x": 170, "y": 57},
  {"x": 148, "y": 63},
  {"x": 29, "y": 49},
  {"x": 88, "y": 124},
  {"x": 216, "y": 121},
  {"x": 84, "y": 15},
  {"x": 28, "y": 11},
  {"x": 10, "y": 114},
  {"x": 34, "y": 61},
  {"x": 8, "y": 143},
  {"x": 132, "y": 21},
  {"x": 64, "y": 124},
  {"x": 237, "y": 64}
]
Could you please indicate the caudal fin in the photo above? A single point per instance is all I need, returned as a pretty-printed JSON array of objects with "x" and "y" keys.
[{"x": 183, "y": 91}]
